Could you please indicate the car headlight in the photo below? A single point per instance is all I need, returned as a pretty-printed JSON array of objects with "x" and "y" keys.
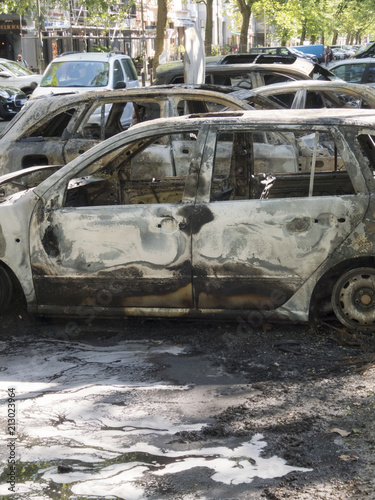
[{"x": 4, "y": 93}]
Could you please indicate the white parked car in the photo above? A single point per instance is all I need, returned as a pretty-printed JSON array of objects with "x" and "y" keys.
[
  {"x": 82, "y": 71},
  {"x": 14, "y": 75}
]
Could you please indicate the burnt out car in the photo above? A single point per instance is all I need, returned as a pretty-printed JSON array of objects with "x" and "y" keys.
[
  {"x": 53, "y": 130},
  {"x": 312, "y": 94},
  {"x": 232, "y": 71},
  {"x": 250, "y": 215}
]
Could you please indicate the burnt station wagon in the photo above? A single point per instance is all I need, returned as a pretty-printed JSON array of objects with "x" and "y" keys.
[{"x": 265, "y": 213}]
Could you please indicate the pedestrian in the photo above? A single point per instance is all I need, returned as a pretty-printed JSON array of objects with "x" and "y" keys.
[
  {"x": 328, "y": 55},
  {"x": 22, "y": 61}
]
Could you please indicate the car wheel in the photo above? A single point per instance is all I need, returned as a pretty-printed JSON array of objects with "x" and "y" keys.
[
  {"x": 353, "y": 299},
  {"x": 6, "y": 289}
]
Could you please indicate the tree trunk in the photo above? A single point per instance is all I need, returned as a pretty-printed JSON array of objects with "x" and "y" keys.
[
  {"x": 161, "y": 24},
  {"x": 303, "y": 32},
  {"x": 208, "y": 35},
  {"x": 245, "y": 9}
]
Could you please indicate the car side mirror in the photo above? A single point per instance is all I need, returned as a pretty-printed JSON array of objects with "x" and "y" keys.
[
  {"x": 5, "y": 74},
  {"x": 120, "y": 85}
]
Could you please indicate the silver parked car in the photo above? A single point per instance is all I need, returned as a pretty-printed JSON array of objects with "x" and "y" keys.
[
  {"x": 360, "y": 71},
  {"x": 253, "y": 215}
]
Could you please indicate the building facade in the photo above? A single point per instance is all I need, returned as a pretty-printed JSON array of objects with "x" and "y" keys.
[{"x": 40, "y": 38}]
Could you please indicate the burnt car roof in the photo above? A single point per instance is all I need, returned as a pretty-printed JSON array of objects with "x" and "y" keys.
[
  {"x": 246, "y": 58},
  {"x": 320, "y": 85},
  {"x": 165, "y": 72},
  {"x": 305, "y": 118},
  {"x": 147, "y": 92},
  {"x": 51, "y": 102}
]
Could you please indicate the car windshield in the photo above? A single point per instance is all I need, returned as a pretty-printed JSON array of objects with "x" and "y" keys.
[
  {"x": 15, "y": 69},
  {"x": 76, "y": 74}
]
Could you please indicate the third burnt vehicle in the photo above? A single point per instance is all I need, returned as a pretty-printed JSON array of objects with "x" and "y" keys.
[
  {"x": 306, "y": 94},
  {"x": 248, "y": 75},
  {"x": 253, "y": 215}
]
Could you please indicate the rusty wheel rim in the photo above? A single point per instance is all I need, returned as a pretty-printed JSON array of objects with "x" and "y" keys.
[{"x": 353, "y": 299}]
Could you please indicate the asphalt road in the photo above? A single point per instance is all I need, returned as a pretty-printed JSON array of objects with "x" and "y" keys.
[{"x": 174, "y": 410}]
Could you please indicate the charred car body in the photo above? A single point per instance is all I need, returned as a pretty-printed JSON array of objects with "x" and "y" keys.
[
  {"x": 252, "y": 75},
  {"x": 256, "y": 215},
  {"x": 313, "y": 94},
  {"x": 53, "y": 130}
]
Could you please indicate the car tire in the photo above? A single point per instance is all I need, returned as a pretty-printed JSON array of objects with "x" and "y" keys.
[
  {"x": 6, "y": 289},
  {"x": 353, "y": 299}
]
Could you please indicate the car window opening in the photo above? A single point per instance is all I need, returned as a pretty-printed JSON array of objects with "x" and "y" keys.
[
  {"x": 274, "y": 165},
  {"x": 153, "y": 172}
]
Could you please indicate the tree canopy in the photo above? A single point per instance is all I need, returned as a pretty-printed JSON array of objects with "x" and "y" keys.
[
  {"x": 97, "y": 9},
  {"x": 323, "y": 19}
]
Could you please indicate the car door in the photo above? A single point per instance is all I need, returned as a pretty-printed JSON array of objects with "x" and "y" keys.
[
  {"x": 264, "y": 234},
  {"x": 40, "y": 136},
  {"x": 43, "y": 142},
  {"x": 119, "y": 235}
]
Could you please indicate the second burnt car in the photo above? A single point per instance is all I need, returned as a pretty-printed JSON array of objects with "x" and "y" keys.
[
  {"x": 311, "y": 94},
  {"x": 53, "y": 130},
  {"x": 264, "y": 215}
]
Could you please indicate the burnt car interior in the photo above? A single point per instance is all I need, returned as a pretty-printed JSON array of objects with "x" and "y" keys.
[
  {"x": 273, "y": 165},
  {"x": 246, "y": 165},
  {"x": 149, "y": 171},
  {"x": 54, "y": 127}
]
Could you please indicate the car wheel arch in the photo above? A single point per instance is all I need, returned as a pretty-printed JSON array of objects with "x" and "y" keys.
[
  {"x": 320, "y": 301},
  {"x": 10, "y": 287}
]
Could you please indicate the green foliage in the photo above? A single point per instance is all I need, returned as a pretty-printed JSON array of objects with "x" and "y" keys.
[
  {"x": 24, "y": 6},
  {"x": 317, "y": 19},
  {"x": 100, "y": 48},
  {"x": 97, "y": 10}
]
